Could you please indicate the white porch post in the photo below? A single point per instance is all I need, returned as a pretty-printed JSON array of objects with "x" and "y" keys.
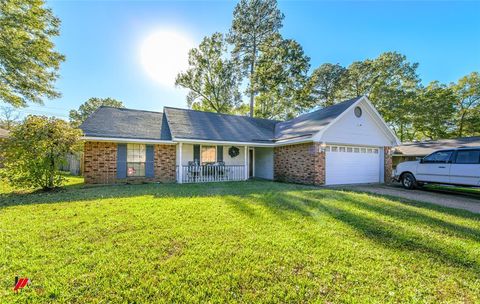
[
  {"x": 246, "y": 162},
  {"x": 180, "y": 169}
]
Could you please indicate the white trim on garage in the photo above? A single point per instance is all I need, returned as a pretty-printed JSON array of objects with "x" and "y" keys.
[{"x": 352, "y": 164}]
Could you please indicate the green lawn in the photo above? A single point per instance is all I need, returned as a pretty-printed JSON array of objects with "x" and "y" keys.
[{"x": 234, "y": 242}]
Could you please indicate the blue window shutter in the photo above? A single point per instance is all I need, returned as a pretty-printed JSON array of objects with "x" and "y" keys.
[
  {"x": 121, "y": 160},
  {"x": 196, "y": 153},
  {"x": 219, "y": 153},
  {"x": 149, "y": 171}
]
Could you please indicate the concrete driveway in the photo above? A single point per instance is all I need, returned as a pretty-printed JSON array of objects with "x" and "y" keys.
[{"x": 458, "y": 201}]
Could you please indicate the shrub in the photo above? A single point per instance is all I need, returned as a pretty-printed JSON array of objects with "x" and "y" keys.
[{"x": 34, "y": 150}]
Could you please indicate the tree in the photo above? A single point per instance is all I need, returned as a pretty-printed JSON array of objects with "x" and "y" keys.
[
  {"x": 28, "y": 62},
  {"x": 34, "y": 150},
  {"x": 90, "y": 106},
  {"x": 254, "y": 23},
  {"x": 468, "y": 93},
  {"x": 391, "y": 82},
  {"x": 327, "y": 82},
  {"x": 281, "y": 79},
  {"x": 434, "y": 111},
  {"x": 8, "y": 117},
  {"x": 213, "y": 81}
]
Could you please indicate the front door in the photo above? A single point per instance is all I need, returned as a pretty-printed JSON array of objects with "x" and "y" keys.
[{"x": 251, "y": 163}]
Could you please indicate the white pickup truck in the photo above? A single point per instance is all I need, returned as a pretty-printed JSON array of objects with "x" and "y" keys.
[{"x": 453, "y": 167}]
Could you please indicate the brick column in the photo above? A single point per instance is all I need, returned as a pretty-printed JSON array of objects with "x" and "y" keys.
[
  {"x": 388, "y": 165},
  {"x": 319, "y": 165},
  {"x": 165, "y": 163},
  {"x": 302, "y": 163}
]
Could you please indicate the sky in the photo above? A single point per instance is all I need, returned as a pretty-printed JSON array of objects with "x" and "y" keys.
[{"x": 131, "y": 50}]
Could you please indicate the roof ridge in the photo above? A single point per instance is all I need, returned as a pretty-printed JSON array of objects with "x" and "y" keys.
[
  {"x": 129, "y": 109},
  {"x": 225, "y": 114}
]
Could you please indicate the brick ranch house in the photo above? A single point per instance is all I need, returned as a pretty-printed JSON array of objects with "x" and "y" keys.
[{"x": 342, "y": 144}]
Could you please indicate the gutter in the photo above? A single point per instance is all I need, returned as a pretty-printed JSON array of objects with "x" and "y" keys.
[
  {"x": 174, "y": 141},
  {"x": 129, "y": 140}
]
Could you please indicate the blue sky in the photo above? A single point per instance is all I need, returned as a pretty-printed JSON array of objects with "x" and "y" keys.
[{"x": 102, "y": 41}]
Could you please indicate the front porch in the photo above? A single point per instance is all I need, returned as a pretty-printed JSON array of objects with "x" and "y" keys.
[{"x": 207, "y": 162}]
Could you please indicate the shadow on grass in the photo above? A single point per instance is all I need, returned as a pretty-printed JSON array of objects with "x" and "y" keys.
[
  {"x": 84, "y": 193},
  {"x": 396, "y": 225},
  {"x": 380, "y": 227},
  {"x": 392, "y": 225}
]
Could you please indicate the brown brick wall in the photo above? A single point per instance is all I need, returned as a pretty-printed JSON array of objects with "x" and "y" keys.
[
  {"x": 302, "y": 163},
  {"x": 165, "y": 163},
  {"x": 100, "y": 164},
  {"x": 388, "y": 165}
]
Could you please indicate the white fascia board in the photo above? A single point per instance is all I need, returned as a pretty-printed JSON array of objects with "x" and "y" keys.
[
  {"x": 381, "y": 123},
  {"x": 384, "y": 123},
  {"x": 128, "y": 140},
  {"x": 238, "y": 143},
  {"x": 220, "y": 142}
]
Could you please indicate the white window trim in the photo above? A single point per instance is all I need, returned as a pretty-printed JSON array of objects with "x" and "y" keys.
[{"x": 144, "y": 162}]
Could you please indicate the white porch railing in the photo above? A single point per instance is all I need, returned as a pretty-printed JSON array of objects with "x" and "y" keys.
[{"x": 211, "y": 173}]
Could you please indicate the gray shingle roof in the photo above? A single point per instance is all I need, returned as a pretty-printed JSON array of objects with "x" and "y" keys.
[
  {"x": 308, "y": 124},
  {"x": 429, "y": 146},
  {"x": 200, "y": 125},
  {"x": 126, "y": 123}
]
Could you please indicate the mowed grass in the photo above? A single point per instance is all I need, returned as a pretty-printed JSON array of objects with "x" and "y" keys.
[{"x": 234, "y": 242}]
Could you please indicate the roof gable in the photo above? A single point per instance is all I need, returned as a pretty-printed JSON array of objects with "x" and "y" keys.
[
  {"x": 126, "y": 123},
  {"x": 309, "y": 124},
  {"x": 370, "y": 129}
]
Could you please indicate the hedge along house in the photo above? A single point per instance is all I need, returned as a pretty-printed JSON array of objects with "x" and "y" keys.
[{"x": 342, "y": 144}]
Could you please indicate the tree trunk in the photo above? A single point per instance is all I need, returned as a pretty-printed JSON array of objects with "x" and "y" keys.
[
  {"x": 252, "y": 69},
  {"x": 460, "y": 127},
  {"x": 50, "y": 185},
  {"x": 401, "y": 132},
  {"x": 252, "y": 95}
]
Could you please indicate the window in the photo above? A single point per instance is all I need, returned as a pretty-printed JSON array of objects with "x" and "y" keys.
[
  {"x": 438, "y": 157},
  {"x": 136, "y": 157},
  {"x": 208, "y": 154},
  {"x": 358, "y": 111},
  {"x": 468, "y": 157}
]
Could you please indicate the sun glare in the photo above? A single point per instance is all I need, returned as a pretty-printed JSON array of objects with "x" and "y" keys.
[{"x": 164, "y": 54}]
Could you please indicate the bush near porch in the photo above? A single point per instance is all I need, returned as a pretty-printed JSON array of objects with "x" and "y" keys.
[{"x": 235, "y": 242}]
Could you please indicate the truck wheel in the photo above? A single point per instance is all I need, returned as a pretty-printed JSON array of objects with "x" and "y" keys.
[{"x": 408, "y": 181}]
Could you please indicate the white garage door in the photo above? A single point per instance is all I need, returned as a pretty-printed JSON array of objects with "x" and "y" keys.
[{"x": 352, "y": 165}]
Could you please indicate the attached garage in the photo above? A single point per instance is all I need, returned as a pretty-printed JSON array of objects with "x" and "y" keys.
[
  {"x": 350, "y": 144},
  {"x": 352, "y": 165}
]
